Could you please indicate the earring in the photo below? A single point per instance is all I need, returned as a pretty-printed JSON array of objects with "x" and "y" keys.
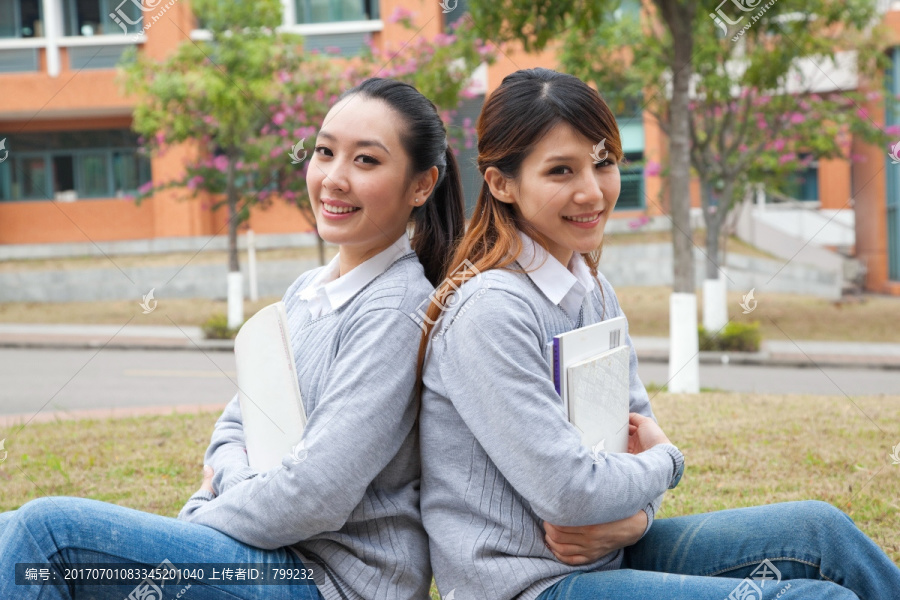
[{"x": 416, "y": 200}]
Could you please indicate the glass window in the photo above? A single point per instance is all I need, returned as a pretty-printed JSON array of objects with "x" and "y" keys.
[
  {"x": 92, "y": 171},
  {"x": 29, "y": 176},
  {"x": 328, "y": 11},
  {"x": 75, "y": 164},
  {"x": 631, "y": 196},
  {"x": 101, "y": 17},
  {"x": 20, "y": 19}
]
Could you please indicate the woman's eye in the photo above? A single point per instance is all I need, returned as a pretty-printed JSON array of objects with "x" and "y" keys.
[
  {"x": 604, "y": 163},
  {"x": 369, "y": 160},
  {"x": 559, "y": 170},
  {"x": 323, "y": 148}
]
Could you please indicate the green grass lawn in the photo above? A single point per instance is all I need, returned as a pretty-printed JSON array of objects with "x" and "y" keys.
[{"x": 741, "y": 450}]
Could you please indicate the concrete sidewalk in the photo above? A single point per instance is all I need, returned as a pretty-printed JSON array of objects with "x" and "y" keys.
[{"x": 802, "y": 353}]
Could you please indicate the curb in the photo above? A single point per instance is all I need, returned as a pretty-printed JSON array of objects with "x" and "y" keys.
[{"x": 766, "y": 359}]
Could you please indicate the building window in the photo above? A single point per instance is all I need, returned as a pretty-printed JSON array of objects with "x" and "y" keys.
[
  {"x": 802, "y": 185},
  {"x": 101, "y": 17},
  {"x": 20, "y": 19},
  {"x": 73, "y": 165},
  {"x": 330, "y": 11},
  {"x": 631, "y": 196}
]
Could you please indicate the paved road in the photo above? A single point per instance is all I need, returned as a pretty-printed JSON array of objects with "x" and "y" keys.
[
  {"x": 785, "y": 380},
  {"x": 34, "y": 379},
  {"x": 86, "y": 379}
]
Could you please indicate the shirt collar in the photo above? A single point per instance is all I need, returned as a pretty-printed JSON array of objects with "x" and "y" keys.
[
  {"x": 564, "y": 286},
  {"x": 338, "y": 290}
]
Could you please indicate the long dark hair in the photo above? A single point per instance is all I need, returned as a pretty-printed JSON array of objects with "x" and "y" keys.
[
  {"x": 439, "y": 222},
  {"x": 526, "y": 106}
]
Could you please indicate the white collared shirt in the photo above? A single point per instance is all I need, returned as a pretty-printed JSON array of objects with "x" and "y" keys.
[
  {"x": 565, "y": 286},
  {"x": 327, "y": 292}
]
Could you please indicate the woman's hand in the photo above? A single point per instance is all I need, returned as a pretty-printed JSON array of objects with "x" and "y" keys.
[
  {"x": 585, "y": 544},
  {"x": 207, "y": 480},
  {"x": 644, "y": 433}
]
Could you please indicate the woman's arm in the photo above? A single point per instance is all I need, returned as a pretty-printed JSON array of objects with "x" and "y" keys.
[
  {"x": 490, "y": 359},
  {"x": 227, "y": 452},
  {"x": 357, "y": 427}
]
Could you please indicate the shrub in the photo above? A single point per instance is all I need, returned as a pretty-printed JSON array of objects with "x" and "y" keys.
[
  {"x": 737, "y": 337},
  {"x": 216, "y": 328}
]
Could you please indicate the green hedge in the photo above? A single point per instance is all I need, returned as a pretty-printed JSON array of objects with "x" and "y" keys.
[{"x": 737, "y": 337}]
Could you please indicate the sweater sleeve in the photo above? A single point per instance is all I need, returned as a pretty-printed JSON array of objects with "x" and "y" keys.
[
  {"x": 227, "y": 452},
  {"x": 358, "y": 425},
  {"x": 491, "y": 362}
]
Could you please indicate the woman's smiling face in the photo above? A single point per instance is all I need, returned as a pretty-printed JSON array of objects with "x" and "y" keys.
[
  {"x": 563, "y": 192},
  {"x": 358, "y": 177}
]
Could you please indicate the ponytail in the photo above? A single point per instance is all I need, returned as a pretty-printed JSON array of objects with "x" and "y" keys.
[{"x": 439, "y": 222}]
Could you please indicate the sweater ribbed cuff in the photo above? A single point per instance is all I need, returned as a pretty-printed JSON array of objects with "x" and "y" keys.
[{"x": 677, "y": 462}]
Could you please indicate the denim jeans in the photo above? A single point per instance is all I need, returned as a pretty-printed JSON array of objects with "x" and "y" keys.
[
  {"x": 814, "y": 550},
  {"x": 64, "y": 531}
]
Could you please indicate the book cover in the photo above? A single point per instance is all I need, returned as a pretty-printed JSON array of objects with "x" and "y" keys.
[
  {"x": 580, "y": 344},
  {"x": 599, "y": 399},
  {"x": 268, "y": 390}
]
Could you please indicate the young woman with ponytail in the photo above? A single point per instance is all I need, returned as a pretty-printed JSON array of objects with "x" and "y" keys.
[
  {"x": 514, "y": 505},
  {"x": 348, "y": 512}
]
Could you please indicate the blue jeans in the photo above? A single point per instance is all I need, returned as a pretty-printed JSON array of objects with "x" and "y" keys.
[
  {"x": 814, "y": 550},
  {"x": 64, "y": 531}
]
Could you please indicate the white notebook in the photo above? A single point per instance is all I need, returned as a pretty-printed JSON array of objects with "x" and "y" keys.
[
  {"x": 268, "y": 390},
  {"x": 581, "y": 344},
  {"x": 599, "y": 399}
]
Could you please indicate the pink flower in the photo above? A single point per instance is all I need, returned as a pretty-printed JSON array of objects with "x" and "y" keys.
[
  {"x": 873, "y": 96},
  {"x": 652, "y": 168},
  {"x": 278, "y": 119},
  {"x": 892, "y": 130},
  {"x": 283, "y": 77},
  {"x": 778, "y": 145},
  {"x": 400, "y": 14},
  {"x": 146, "y": 187},
  {"x": 275, "y": 152},
  {"x": 220, "y": 163},
  {"x": 797, "y": 118},
  {"x": 862, "y": 113},
  {"x": 786, "y": 158},
  {"x": 194, "y": 181}
]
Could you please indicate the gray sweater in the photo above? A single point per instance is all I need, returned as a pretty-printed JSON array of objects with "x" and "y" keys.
[
  {"x": 498, "y": 454},
  {"x": 350, "y": 509}
]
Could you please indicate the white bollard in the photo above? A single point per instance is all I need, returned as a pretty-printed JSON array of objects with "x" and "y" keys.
[
  {"x": 684, "y": 360},
  {"x": 715, "y": 305},
  {"x": 251, "y": 265},
  {"x": 235, "y": 299}
]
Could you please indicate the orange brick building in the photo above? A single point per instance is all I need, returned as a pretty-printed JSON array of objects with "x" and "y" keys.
[{"x": 72, "y": 158}]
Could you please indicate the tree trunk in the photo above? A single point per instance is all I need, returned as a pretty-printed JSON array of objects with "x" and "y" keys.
[
  {"x": 712, "y": 248},
  {"x": 231, "y": 195},
  {"x": 679, "y": 24}
]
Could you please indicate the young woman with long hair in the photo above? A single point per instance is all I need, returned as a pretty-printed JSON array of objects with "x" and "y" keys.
[
  {"x": 348, "y": 512},
  {"x": 514, "y": 505}
]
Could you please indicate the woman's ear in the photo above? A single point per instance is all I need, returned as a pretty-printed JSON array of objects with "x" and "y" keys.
[
  {"x": 501, "y": 186},
  {"x": 424, "y": 186}
]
